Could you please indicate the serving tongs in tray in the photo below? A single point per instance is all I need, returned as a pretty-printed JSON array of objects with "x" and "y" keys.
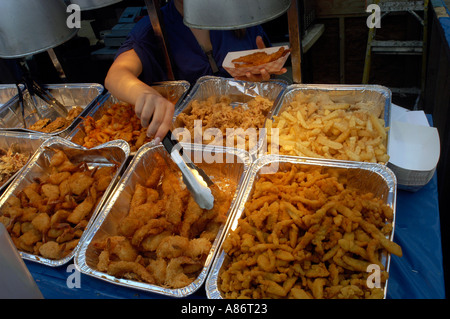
[
  {"x": 35, "y": 88},
  {"x": 196, "y": 180},
  {"x": 22, "y": 107},
  {"x": 48, "y": 98}
]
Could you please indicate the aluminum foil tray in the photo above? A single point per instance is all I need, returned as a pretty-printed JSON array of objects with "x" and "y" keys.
[
  {"x": 8, "y": 93},
  {"x": 231, "y": 163},
  {"x": 174, "y": 91},
  {"x": 108, "y": 154},
  {"x": 83, "y": 95},
  {"x": 369, "y": 177},
  {"x": 25, "y": 143},
  {"x": 239, "y": 92},
  {"x": 380, "y": 95}
]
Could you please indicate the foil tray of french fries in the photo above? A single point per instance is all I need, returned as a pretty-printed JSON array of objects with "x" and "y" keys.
[
  {"x": 113, "y": 119},
  {"x": 343, "y": 122},
  {"x": 227, "y": 112},
  {"x": 152, "y": 235},
  {"x": 53, "y": 201},
  {"x": 16, "y": 149},
  {"x": 38, "y": 116},
  {"x": 308, "y": 229}
]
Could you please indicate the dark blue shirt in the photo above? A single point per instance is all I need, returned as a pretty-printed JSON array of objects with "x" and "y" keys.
[{"x": 188, "y": 59}]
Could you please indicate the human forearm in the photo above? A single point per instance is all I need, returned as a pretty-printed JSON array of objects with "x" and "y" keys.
[
  {"x": 154, "y": 111},
  {"x": 125, "y": 85}
]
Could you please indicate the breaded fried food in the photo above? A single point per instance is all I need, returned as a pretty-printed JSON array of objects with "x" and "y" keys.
[
  {"x": 314, "y": 239},
  {"x": 171, "y": 234},
  {"x": 47, "y": 217},
  {"x": 239, "y": 124},
  {"x": 47, "y": 125},
  {"x": 259, "y": 58}
]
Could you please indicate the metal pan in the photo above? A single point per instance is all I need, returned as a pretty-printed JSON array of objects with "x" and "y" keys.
[
  {"x": 84, "y": 95},
  {"x": 24, "y": 143},
  {"x": 367, "y": 177},
  {"x": 240, "y": 92},
  {"x": 216, "y": 161},
  {"x": 376, "y": 99},
  {"x": 8, "y": 93},
  {"x": 174, "y": 91},
  {"x": 109, "y": 154}
]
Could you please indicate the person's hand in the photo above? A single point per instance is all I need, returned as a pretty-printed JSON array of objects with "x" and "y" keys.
[
  {"x": 155, "y": 112},
  {"x": 263, "y": 74}
]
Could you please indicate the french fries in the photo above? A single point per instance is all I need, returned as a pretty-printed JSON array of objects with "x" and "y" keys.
[
  {"x": 313, "y": 125},
  {"x": 304, "y": 233}
]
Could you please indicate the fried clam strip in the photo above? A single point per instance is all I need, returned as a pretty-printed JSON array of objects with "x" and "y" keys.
[
  {"x": 166, "y": 237},
  {"x": 48, "y": 217},
  {"x": 313, "y": 237}
]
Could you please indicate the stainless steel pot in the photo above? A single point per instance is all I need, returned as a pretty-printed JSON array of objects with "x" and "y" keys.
[
  {"x": 231, "y": 14},
  {"x": 30, "y": 27}
]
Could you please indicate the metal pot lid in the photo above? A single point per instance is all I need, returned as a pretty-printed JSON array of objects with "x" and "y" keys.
[
  {"x": 231, "y": 14},
  {"x": 30, "y": 27}
]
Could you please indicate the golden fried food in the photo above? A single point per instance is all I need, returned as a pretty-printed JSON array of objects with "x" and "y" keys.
[
  {"x": 119, "y": 121},
  {"x": 313, "y": 125},
  {"x": 46, "y": 125},
  {"x": 166, "y": 237},
  {"x": 238, "y": 125},
  {"x": 311, "y": 236},
  {"x": 11, "y": 161},
  {"x": 259, "y": 58},
  {"x": 48, "y": 217}
]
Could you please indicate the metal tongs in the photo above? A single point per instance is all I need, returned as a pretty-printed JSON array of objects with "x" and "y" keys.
[
  {"x": 22, "y": 107},
  {"x": 49, "y": 99},
  {"x": 196, "y": 180}
]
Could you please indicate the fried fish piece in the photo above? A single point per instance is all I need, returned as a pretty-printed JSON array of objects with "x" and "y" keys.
[{"x": 259, "y": 58}]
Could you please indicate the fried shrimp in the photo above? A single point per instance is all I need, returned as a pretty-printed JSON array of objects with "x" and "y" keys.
[
  {"x": 198, "y": 248},
  {"x": 192, "y": 214},
  {"x": 175, "y": 277},
  {"x": 129, "y": 270},
  {"x": 172, "y": 246},
  {"x": 170, "y": 234},
  {"x": 153, "y": 227}
]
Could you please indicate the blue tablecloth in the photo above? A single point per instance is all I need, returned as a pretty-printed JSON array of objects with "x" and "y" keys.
[{"x": 417, "y": 274}]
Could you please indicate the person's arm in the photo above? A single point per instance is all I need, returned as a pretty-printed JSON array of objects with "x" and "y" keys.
[
  {"x": 154, "y": 111},
  {"x": 263, "y": 75}
]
